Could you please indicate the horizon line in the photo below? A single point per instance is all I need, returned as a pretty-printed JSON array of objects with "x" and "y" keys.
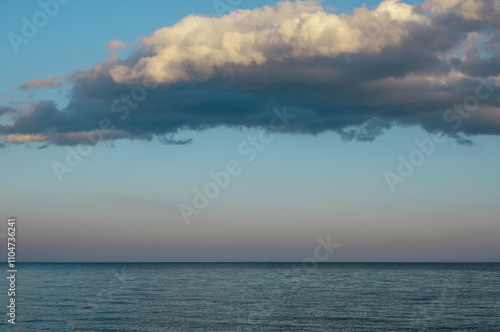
[{"x": 264, "y": 262}]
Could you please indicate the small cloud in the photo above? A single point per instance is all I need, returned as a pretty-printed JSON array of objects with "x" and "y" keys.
[
  {"x": 7, "y": 110},
  {"x": 20, "y": 138},
  {"x": 367, "y": 132},
  {"x": 116, "y": 45},
  {"x": 462, "y": 140},
  {"x": 49, "y": 82},
  {"x": 170, "y": 140}
]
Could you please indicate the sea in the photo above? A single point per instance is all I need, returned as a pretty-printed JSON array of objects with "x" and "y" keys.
[{"x": 255, "y": 297}]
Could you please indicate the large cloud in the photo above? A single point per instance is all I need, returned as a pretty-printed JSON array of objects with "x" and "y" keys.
[{"x": 357, "y": 74}]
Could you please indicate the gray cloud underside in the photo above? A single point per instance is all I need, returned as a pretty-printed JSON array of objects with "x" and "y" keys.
[{"x": 436, "y": 65}]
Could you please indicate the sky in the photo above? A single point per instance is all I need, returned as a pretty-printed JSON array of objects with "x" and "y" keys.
[{"x": 251, "y": 130}]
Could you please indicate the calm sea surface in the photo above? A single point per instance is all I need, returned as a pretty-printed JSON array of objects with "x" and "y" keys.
[{"x": 256, "y": 297}]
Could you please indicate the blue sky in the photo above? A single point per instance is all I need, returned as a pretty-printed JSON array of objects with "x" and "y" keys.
[{"x": 121, "y": 203}]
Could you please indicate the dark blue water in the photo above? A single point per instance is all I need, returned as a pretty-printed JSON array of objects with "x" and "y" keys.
[{"x": 256, "y": 297}]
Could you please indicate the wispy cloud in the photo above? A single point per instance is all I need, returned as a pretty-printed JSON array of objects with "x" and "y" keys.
[{"x": 49, "y": 82}]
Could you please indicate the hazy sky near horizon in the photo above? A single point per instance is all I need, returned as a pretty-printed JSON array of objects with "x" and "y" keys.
[{"x": 324, "y": 174}]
